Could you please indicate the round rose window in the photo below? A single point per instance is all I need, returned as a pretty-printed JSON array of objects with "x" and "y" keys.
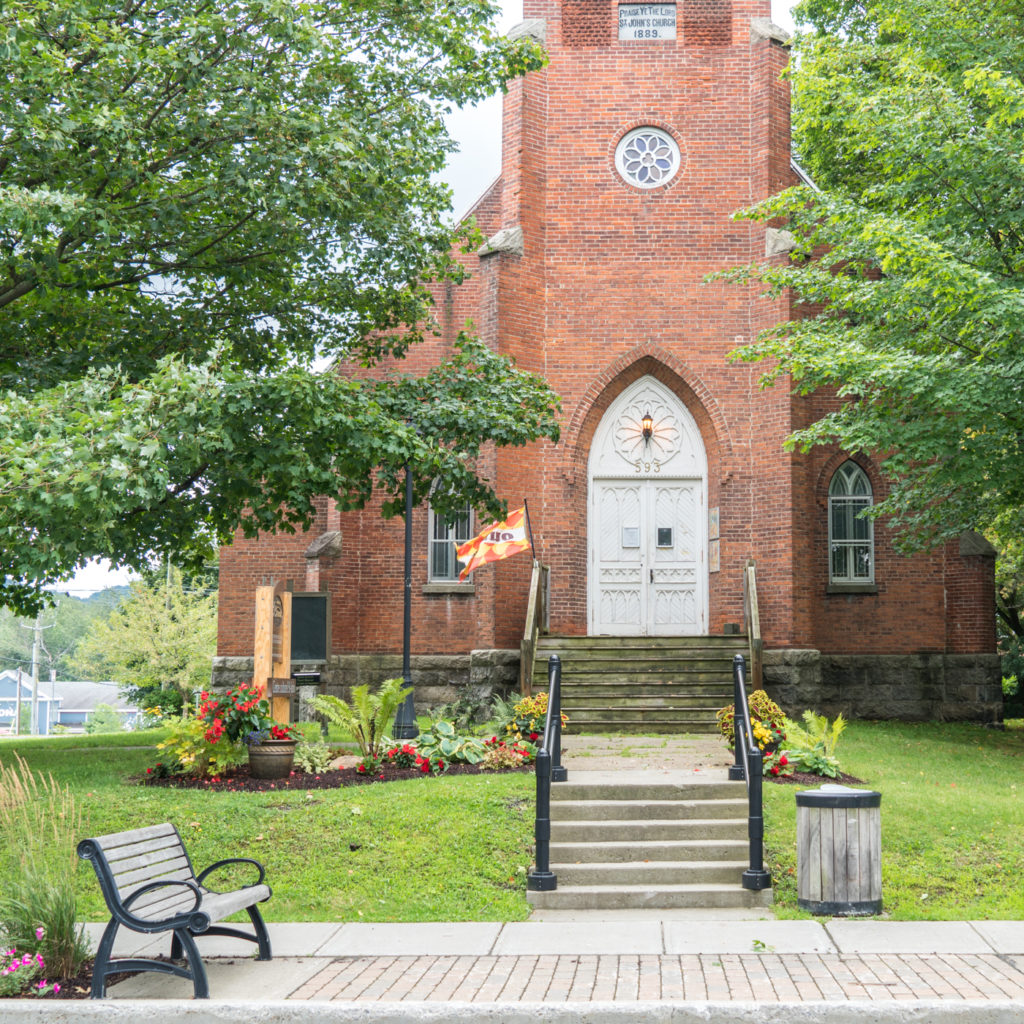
[{"x": 647, "y": 157}]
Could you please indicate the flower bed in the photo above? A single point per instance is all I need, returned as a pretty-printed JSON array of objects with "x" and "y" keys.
[{"x": 239, "y": 779}]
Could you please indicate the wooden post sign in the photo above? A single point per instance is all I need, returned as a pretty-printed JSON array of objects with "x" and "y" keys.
[{"x": 272, "y": 654}]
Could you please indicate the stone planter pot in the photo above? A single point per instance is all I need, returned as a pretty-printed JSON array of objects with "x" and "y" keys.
[{"x": 271, "y": 759}]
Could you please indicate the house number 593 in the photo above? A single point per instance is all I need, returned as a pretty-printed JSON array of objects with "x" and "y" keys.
[{"x": 648, "y": 467}]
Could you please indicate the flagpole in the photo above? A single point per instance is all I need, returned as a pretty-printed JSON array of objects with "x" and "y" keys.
[{"x": 529, "y": 528}]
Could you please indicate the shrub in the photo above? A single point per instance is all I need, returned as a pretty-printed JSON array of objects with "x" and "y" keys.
[
  {"x": 764, "y": 712},
  {"x": 527, "y": 721},
  {"x": 192, "y": 752},
  {"x": 369, "y": 715},
  {"x": 39, "y": 826},
  {"x": 103, "y": 719},
  {"x": 313, "y": 758}
]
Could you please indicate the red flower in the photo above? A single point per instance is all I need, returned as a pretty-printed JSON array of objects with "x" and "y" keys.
[
  {"x": 783, "y": 760},
  {"x": 149, "y": 771},
  {"x": 775, "y": 769},
  {"x": 361, "y": 768},
  {"x": 534, "y": 737}
]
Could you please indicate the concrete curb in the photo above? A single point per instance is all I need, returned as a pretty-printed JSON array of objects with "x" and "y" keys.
[{"x": 300, "y": 1012}]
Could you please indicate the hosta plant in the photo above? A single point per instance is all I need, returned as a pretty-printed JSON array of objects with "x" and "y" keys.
[{"x": 444, "y": 742}]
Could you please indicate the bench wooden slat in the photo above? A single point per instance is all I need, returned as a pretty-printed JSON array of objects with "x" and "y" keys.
[
  {"x": 151, "y": 872},
  {"x": 136, "y": 835},
  {"x": 131, "y": 850},
  {"x": 168, "y": 903},
  {"x": 181, "y": 875}
]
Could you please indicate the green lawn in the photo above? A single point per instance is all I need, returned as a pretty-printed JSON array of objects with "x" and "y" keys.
[
  {"x": 457, "y": 848},
  {"x": 453, "y": 848},
  {"x": 952, "y": 819}
]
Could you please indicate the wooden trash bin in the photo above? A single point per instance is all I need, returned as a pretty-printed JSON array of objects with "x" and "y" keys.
[{"x": 839, "y": 851}]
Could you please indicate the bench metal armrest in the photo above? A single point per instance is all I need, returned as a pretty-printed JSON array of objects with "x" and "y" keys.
[
  {"x": 158, "y": 924},
  {"x": 232, "y": 860}
]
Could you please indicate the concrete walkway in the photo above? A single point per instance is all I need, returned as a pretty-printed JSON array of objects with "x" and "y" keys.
[{"x": 597, "y": 968}]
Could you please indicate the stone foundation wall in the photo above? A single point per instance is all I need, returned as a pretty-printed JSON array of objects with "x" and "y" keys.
[
  {"x": 912, "y": 687},
  {"x": 437, "y": 678}
]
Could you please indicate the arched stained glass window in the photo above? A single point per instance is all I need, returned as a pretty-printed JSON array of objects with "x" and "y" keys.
[{"x": 851, "y": 538}]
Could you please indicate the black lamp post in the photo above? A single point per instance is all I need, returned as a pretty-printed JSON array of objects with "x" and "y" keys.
[{"x": 405, "y": 720}]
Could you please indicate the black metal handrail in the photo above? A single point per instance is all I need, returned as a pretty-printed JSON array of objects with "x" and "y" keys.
[
  {"x": 748, "y": 767},
  {"x": 549, "y": 769}
]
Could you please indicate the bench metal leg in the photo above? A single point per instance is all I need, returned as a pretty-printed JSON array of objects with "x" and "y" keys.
[
  {"x": 102, "y": 961},
  {"x": 200, "y": 983},
  {"x": 262, "y": 936}
]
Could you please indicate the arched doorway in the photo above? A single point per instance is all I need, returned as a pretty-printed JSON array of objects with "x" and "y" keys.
[{"x": 647, "y": 518}]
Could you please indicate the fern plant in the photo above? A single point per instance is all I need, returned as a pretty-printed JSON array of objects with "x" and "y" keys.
[
  {"x": 369, "y": 715},
  {"x": 812, "y": 747}
]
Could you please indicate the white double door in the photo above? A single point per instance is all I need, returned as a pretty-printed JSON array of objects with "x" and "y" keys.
[{"x": 647, "y": 555}]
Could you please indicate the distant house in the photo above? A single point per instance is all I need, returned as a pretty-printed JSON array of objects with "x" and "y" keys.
[
  {"x": 48, "y": 704},
  {"x": 78, "y": 701},
  {"x": 69, "y": 704}
]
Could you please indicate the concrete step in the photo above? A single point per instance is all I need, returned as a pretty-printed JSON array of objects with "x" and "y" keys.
[
  {"x": 587, "y": 831},
  {"x": 662, "y": 810},
  {"x": 554, "y": 642},
  {"x": 598, "y": 852},
  {"x": 641, "y": 707},
  {"x": 645, "y": 726},
  {"x": 652, "y": 661},
  {"x": 714, "y": 687},
  {"x": 658, "y": 873},
  {"x": 612, "y": 789},
  {"x": 596, "y": 897}
]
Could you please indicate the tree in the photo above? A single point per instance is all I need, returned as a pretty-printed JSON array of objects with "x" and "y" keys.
[
  {"x": 157, "y": 644},
  {"x": 63, "y": 626},
  {"x": 909, "y": 265},
  {"x": 199, "y": 205}
]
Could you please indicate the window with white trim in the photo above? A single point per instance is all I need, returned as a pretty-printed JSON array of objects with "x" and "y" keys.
[
  {"x": 446, "y": 534},
  {"x": 851, "y": 539}
]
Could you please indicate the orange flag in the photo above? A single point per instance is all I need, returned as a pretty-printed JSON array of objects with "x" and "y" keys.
[{"x": 499, "y": 540}]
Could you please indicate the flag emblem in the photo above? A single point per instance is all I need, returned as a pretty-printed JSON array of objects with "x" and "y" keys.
[{"x": 494, "y": 542}]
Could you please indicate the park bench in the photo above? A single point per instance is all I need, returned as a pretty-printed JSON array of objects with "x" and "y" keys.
[{"x": 150, "y": 887}]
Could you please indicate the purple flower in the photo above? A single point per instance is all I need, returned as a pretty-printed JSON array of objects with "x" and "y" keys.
[{"x": 39, "y": 933}]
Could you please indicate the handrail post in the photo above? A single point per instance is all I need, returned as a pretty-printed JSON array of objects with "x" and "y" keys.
[
  {"x": 558, "y": 773},
  {"x": 749, "y": 765},
  {"x": 739, "y": 700},
  {"x": 755, "y": 877},
  {"x": 542, "y": 879}
]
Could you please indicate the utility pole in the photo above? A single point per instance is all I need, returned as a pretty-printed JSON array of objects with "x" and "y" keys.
[
  {"x": 37, "y": 642},
  {"x": 17, "y": 706}
]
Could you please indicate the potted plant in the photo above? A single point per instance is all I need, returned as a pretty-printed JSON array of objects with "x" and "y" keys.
[{"x": 242, "y": 715}]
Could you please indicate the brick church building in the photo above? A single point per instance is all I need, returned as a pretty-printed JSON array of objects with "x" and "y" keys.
[{"x": 622, "y": 162}]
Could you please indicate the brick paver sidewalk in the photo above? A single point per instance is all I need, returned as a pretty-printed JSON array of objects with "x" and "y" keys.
[{"x": 760, "y": 977}]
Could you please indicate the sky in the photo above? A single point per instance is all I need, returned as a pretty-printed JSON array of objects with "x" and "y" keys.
[{"x": 477, "y": 129}]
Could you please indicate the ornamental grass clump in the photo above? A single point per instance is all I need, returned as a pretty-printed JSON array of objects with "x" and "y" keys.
[{"x": 39, "y": 831}]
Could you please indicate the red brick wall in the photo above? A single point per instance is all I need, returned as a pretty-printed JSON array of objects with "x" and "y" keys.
[{"x": 611, "y": 286}]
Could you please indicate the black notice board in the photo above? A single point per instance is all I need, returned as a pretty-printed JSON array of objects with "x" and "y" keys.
[{"x": 309, "y": 627}]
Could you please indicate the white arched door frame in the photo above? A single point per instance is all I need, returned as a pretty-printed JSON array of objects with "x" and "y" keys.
[{"x": 647, "y": 565}]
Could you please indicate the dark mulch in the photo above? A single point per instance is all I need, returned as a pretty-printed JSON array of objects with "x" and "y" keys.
[
  {"x": 240, "y": 781},
  {"x": 806, "y": 779}
]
